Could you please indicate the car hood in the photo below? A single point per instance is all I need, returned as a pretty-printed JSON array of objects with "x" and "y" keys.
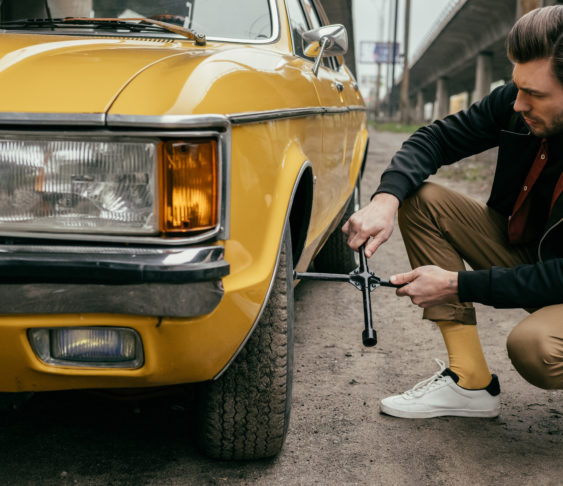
[
  {"x": 84, "y": 75},
  {"x": 64, "y": 74}
]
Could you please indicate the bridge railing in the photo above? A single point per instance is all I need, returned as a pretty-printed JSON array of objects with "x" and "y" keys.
[{"x": 446, "y": 15}]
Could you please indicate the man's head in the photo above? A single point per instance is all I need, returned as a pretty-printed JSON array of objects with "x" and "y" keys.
[{"x": 535, "y": 47}]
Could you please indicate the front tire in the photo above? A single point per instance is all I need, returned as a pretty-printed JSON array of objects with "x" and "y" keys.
[{"x": 245, "y": 413}]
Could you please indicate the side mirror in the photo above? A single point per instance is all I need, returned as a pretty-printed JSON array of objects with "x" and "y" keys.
[{"x": 331, "y": 40}]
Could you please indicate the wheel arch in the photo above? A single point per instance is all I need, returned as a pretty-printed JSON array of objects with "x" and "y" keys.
[
  {"x": 365, "y": 158},
  {"x": 300, "y": 210},
  {"x": 300, "y": 200}
]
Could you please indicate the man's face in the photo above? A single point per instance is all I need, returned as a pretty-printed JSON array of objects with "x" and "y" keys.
[{"x": 540, "y": 97}]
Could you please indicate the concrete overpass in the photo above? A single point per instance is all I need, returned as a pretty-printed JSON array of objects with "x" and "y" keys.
[{"x": 466, "y": 53}]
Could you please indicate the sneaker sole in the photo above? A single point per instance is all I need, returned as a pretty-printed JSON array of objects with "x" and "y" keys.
[{"x": 440, "y": 413}]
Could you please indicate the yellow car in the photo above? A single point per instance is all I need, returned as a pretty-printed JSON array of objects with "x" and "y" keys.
[{"x": 165, "y": 167}]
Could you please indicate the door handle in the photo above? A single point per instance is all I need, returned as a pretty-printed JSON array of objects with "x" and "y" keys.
[{"x": 339, "y": 86}]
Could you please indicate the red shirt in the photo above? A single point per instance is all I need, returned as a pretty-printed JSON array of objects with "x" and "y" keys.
[{"x": 539, "y": 191}]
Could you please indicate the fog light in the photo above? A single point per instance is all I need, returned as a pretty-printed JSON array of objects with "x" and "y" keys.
[{"x": 106, "y": 347}]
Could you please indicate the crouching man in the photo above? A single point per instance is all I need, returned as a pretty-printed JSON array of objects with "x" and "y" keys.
[{"x": 514, "y": 243}]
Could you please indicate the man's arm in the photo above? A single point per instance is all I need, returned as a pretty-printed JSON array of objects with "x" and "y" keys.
[
  {"x": 446, "y": 141},
  {"x": 534, "y": 285},
  {"x": 443, "y": 142},
  {"x": 528, "y": 286}
]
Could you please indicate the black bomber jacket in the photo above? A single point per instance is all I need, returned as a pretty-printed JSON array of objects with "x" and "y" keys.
[{"x": 488, "y": 123}]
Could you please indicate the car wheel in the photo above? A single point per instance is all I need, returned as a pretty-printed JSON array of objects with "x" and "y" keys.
[
  {"x": 336, "y": 256},
  {"x": 245, "y": 413}
]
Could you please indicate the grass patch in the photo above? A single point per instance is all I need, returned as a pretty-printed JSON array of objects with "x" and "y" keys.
[{"x": 394, "y": 127}]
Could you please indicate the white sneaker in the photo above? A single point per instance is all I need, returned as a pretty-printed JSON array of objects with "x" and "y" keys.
[{"x": 440, "y": 395}]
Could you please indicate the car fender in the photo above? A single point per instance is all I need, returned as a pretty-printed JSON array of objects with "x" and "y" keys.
[{"x": 296, "y": 182}]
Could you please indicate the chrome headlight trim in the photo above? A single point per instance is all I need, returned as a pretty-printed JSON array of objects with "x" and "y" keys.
[{"x": 165, "y": 127}]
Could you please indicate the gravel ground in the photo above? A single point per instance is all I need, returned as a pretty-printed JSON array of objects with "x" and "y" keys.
[{"x": 336, "y": 436}]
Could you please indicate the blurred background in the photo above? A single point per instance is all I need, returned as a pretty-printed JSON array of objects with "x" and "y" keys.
[{"x": 418, "y": 60}]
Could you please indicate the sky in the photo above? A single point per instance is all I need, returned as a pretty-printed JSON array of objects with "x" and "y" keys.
[{"x": 373, "y": 21}]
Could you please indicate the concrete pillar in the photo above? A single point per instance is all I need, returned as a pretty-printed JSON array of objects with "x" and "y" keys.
[
  {"x": 419, "y": 110},
  {"x": 483, "y": 75},
  {"x": 442, "y": 105},
  {"x": 525, "y": 6}
]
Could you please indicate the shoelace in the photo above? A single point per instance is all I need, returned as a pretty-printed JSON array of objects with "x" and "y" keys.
[{"x": 426, "y": 385}]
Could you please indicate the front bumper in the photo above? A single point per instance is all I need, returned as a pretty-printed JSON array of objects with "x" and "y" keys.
[{"x": 172, "y": 282}]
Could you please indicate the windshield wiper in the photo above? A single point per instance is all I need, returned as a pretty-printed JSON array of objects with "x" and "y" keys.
[{"x": 131, "y": 24}]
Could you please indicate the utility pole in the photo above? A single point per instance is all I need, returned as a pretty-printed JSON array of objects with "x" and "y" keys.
[
  {"x": 405, "y": 105},
  {"x": 389, "y": 50},
  {"x": 377, "y": 105},
  {"x": 382, "y": 37},
  {"x": 394, "y": 54}
]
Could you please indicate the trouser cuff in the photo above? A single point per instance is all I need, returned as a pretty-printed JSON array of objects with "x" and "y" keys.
[{"x": 451, "y": 312}]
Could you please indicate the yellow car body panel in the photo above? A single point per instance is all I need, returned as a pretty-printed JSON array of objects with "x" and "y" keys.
[
  {"x": 136, "y": 78},
  {"x": 62, "y": 74}
]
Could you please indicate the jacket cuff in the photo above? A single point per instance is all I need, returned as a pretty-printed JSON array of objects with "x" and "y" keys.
[
  {"x": 474, "y": 286},
  {"x": 393, "y": 183}
]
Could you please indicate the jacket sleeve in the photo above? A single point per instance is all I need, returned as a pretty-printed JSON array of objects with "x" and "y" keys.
[
  {"x": 449, "y": 140},
  {"x": 534, "y": 285}
]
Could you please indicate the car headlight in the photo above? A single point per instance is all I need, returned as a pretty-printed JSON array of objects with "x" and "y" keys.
[{"x": 107, "y": 185}]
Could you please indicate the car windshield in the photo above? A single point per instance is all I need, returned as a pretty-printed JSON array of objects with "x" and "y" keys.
[{"x": 217, "y": 19}]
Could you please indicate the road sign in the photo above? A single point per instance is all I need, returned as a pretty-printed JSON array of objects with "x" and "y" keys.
[{"x": 372, "y": 52}]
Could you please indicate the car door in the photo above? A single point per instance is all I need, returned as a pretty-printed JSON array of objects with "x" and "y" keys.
[
  {"x": 344, "y": 82},
  {"x": 330, "y": 191}
]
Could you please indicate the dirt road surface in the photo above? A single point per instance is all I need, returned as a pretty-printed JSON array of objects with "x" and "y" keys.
[{"x": 337, "y": 435}]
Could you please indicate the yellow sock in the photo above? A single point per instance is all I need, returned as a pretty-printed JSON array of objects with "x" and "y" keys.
[{"x": 466, "y": 355}]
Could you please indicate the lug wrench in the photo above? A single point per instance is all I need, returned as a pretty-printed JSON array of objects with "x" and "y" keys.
[{"x": 365, "y": 281}]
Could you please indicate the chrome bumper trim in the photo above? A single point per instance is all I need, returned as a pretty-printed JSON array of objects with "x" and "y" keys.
[
  {"x": 161, "y": 300},
  {"x": 140, "y": 281}
]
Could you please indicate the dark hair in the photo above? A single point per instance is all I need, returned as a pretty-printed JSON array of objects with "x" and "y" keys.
[{"x": 538, "y": 35}]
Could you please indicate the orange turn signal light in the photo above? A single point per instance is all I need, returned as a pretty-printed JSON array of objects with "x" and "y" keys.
[{"x": 189, "y": 186}]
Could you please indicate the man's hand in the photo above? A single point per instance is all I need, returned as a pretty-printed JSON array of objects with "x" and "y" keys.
[
  {"x": 427, "y": 286},
  {"x": 376, "y": 219}
]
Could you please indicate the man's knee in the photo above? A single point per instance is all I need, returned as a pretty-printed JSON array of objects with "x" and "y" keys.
[
  {"x": 415, "y": 204},
  {"x": 537, "y": 354}
]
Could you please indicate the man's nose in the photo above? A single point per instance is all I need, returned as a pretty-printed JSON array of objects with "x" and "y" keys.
[{"x": 521, "y": 104}]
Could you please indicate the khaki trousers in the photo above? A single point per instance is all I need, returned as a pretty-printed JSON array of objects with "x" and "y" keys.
[{"x": 444, "y": 228}]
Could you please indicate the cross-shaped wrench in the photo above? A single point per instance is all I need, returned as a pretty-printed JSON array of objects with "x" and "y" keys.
[{"x": 361, "y": 278}]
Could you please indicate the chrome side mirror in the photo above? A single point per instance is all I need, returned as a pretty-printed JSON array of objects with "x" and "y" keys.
[{"x": 331, "y": 40}]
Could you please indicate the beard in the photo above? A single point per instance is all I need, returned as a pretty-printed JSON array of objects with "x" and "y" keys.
[{"x": 543, "y": 130}]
